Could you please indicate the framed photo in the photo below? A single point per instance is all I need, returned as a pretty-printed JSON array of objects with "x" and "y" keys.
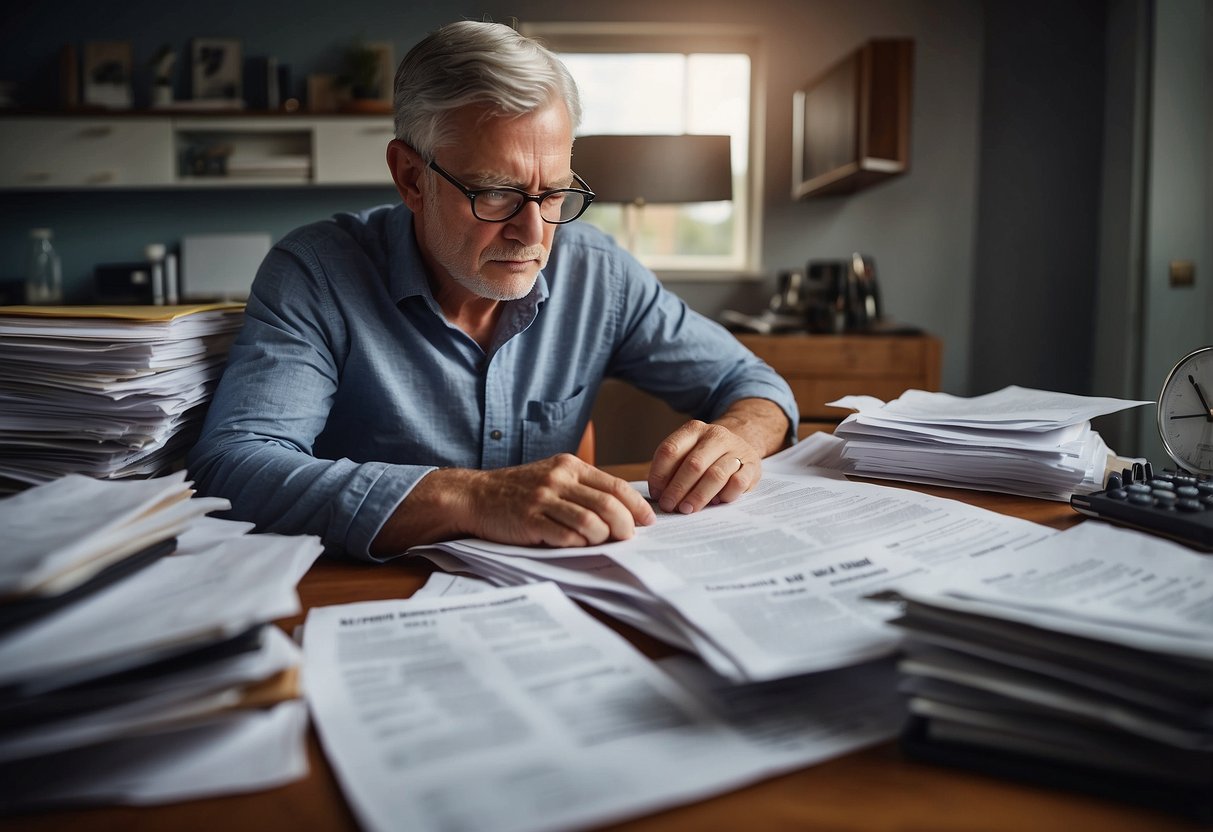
[
  {"x": 106, "y": 74},
  {"x": 217, "y": 69}
]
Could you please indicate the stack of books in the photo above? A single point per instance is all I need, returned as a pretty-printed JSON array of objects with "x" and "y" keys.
[
  {"x": 1034, "y": 443},
  {"x": 1083, "y": 662},
  {"x": 106, "y": 391},
  {"x": 137, "y": 662}
]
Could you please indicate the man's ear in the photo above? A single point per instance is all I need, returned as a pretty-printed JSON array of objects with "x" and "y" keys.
[{"x": 407, "y": 168}]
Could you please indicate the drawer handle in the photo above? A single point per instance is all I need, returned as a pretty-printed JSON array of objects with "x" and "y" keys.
[
  {"x": 38, "y": 176},
  {"x": 101, "y": 177},
  {"x": 98, "y": 132}
]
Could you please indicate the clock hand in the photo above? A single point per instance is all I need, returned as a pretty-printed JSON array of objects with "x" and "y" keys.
[
  {"x": 1203, "y": 401},
  {"x": 1191, "y": 416}
]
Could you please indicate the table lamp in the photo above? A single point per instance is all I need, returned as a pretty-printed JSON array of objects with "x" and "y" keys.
[{"x": 637, "y": 170}]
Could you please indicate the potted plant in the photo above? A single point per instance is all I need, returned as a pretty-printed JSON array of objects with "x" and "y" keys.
[{"x": 361, "y": 78}]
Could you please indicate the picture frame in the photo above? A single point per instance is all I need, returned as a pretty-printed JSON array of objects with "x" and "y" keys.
[
  {"x": 105, "y": 73},
  {"x": 216, "y": 69}
]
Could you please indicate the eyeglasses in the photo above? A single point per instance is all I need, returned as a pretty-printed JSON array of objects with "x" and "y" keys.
[{"x": 500, "y": 204}]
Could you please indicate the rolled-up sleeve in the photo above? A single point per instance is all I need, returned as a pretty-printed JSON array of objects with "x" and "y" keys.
[
  {"x": 682, "y": 357},
  {"x": 256, "y": 447}
]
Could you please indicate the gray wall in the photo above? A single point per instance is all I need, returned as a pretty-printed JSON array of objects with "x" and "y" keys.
[
  {"x": 1038, "y": 209},
  {"x": 922, "y": 228}
]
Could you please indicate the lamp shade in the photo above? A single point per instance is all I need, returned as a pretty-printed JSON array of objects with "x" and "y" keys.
[{"x": 640, "y": 169}]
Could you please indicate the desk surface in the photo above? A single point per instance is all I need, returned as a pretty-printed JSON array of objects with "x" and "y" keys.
[{"x": 874, "y": 789}]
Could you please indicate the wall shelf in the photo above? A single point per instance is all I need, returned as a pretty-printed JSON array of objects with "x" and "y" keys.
[{"x": 154, "y": 150}]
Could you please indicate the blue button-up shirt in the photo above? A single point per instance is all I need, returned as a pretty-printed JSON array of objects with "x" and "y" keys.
[{"x": 347, "y": 385}]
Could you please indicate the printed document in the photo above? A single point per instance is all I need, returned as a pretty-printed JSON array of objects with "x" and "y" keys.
[
  {"x": 512, "y": 709},
  {"x": 1096, "y": 581},
  {"x": 771, "y": 585}
]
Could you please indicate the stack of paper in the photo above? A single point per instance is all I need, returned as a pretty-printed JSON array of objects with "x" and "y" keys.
[
  {"x": 511, "y": 709},
  {"x": 1018, "y": 441},
  {"x": 1085, "y": 660},
  {"x": 130, "y": 676},
  {"x": 769, "y": 586},
  {"x": 288, "y": 167},
  {"x": 105, "y": 391}
]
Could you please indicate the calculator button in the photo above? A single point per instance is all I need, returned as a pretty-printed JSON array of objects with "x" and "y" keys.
[
  {"x": 1188, "y": 491},
  {"x": 1117, "y": 494},
  {"x": 1139, "y": 488},
  {"x": 1139, "y": 499},
  {"x": 1189, "y": 504},
  {"x": 1162, "y": 484}
]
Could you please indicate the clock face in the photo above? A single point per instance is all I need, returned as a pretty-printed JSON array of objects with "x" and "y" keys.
[{"x": 1185, "y": 412}]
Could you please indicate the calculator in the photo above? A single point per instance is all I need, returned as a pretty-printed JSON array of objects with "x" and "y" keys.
[{"x": 1171, "y": 503}]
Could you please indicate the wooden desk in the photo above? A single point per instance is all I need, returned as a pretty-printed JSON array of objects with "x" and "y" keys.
[{"x": 874, "y": 789}]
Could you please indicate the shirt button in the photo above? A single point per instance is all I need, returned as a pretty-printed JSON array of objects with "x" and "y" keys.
[{"x": 496, "y": 434}]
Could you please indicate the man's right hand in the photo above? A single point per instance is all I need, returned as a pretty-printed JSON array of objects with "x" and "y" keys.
[{"x": 560, "y": 501}]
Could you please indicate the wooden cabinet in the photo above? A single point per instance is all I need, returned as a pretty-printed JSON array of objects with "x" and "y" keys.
[
  {"x": 628, "y": 423},
  {"x": 851, "y": 126},
  {"x": 69, "y": 152},
  {"x": 822, "y": 368}
]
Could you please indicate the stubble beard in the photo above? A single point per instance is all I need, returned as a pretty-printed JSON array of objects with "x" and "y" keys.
[{"x": 448, "y": 249}]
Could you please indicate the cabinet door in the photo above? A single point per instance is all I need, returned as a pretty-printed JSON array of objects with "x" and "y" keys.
[
  {"x": 353, "y": 151},
  {"x": 85, "y": 153}
]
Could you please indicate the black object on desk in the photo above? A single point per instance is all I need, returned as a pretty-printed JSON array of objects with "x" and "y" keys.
[{"x": 1173, "y": 504}]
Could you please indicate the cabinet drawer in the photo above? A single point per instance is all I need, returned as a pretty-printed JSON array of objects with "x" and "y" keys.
[
  {"x": 822, "y": 368},
  {"x": 353, "y": 151},
  {"x": 85, "y": 153}
]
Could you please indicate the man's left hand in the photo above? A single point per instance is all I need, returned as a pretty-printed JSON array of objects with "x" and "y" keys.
[{"x": 703, "y": 463}]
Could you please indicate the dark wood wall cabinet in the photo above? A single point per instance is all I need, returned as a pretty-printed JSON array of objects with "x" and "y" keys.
[{"x": 852, "y": 122}]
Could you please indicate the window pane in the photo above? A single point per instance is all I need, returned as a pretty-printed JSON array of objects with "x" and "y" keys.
[{"x": 669, "y": 93}]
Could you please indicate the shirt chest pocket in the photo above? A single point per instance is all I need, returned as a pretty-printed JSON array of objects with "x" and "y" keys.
[{"x": 552, "y": 427}]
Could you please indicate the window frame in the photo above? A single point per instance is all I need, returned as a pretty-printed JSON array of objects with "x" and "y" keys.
[{"x": 683, "y": 39}]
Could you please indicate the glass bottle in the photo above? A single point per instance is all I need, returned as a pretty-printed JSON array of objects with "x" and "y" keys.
[{"x": 44, "y": 274}]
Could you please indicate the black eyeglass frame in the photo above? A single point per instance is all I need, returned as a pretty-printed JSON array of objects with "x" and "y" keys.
[{"x": 472, "y": 193}]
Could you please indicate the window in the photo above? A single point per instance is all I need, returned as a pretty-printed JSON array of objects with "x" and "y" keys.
[{"x": 654, "y": 81}]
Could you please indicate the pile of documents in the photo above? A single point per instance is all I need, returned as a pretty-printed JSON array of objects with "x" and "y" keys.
[
  {"x": 769, "y": 586},
  {"x": 136, "y": 661},
  {"x": 1082, "y": 661},
  {"x": 1017, "y": 441},
  {"x": 513, "y": 710},
  {"x": 105, "y": 391}
]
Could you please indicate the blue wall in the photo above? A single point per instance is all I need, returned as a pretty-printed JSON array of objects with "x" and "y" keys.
[
  {"x": 114, "y": 226},
  {"x": 96, "y": 227}
]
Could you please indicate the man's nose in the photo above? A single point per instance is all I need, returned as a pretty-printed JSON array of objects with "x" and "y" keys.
[{"x": 526, "y": 226}]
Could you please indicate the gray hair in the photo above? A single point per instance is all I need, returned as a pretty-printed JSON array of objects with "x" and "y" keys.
[{"x": 474, "y": 63}]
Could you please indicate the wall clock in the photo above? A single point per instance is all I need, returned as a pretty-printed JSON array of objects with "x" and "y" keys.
[{"x": 1185, "y": 412}]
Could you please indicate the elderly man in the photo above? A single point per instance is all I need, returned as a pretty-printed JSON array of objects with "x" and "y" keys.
[{"x": 421, "y": 372}]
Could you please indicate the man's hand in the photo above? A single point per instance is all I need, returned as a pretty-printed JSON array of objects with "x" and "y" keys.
[
  {"x": 704, "y": 463},
  {"x": 560, "y": 501}
]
